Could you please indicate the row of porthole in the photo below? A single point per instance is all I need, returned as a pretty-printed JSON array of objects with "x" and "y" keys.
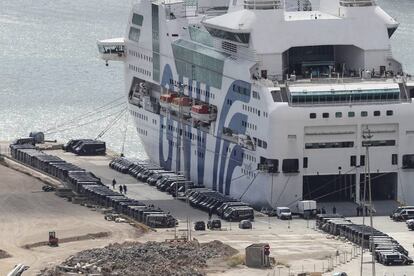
[
  {"x": 187, "y": 134},
  {"x": 139, "y": 70},
  {"x": 351, "y": 114},
  {"x": 139, "y": 115},
  {"x": 140, "y": 55},
  {"x": 142, "y": 131}
]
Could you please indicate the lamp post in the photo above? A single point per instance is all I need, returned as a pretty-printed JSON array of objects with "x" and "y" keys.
[{"x": 367, "y": 135}]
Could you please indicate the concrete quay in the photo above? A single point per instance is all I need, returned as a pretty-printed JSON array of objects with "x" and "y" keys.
[{"x": 296, "y": 245}]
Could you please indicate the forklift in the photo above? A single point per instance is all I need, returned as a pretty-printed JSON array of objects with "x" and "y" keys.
[{"x": 53, "y": 241}]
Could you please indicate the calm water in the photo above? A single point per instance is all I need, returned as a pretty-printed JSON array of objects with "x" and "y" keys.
[{"x": 50, "y": 70}]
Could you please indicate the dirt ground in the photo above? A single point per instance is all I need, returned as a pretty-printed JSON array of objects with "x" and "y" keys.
[{"x": 27, "y": 214}]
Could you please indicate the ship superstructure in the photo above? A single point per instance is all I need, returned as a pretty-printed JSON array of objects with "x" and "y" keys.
[{"x": 269, "y": 104}]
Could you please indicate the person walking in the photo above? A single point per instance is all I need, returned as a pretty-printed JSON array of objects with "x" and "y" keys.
[
  {"x": 334, "y": 210},
  {"x": 125, "y": 189},
  {"x": 120, "y": 189},
  {"x": 113, "y": 183},
  {"x": 357, "y": 209}
]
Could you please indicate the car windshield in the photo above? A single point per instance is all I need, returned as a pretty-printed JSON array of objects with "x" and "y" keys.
[{"x": 285, "y": 210}]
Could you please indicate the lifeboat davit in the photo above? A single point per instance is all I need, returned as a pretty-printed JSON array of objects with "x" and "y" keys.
[
  {"x": 166, "y": 100},
  {"x": 182, "y": 104},
  {"x": 203, "y": 112}
]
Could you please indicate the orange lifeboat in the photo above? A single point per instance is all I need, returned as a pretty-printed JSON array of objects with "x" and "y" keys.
[
  {"x": 182, "y": 104},
  {"x": 203, "y": 112},
  {"x": 167, "y": 99}
]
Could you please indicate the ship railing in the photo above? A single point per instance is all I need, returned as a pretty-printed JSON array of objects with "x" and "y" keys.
[
  {"x": 314, "y": 80},
  {"x": 344, "y": 103},
  {"x": 357, "y": 3}
]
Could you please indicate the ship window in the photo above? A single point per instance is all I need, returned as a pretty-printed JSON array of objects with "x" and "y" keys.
[
  {"x": 338, "y": 114},
  {"x": 362, "y": 160},
  {"x": 236, "y": 37},
  {"x": 408, "y": 161},
  {"x": 290, "y": 165},
  {"x": 394, "y": 159},
  {"x": 353, "y": 161},
  {"x": 390, "y": 112},
  {"x": 325, "y": 115},
  {"x": 329, "y": 145},
  {"x": 305, "y": 162},
  {"x": 134, "y": 34},
  {"x": 137, "y": 19},
  {"x": 377, "y": 113},
  {"x": 364, "y": 114},
  {"x": 351, "y": 114},
  {"x": 378, "y": 143},
  {"x": 264, "y": 144},
  {"x": 312, "y": 115}
]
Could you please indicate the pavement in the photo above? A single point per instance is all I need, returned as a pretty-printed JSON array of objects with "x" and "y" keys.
[{"x": 296, "y": 245}]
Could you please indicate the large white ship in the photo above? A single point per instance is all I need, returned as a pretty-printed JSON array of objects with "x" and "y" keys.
[{"x": 269, "y": 104}]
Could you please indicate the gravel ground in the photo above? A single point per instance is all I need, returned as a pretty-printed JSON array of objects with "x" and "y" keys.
[{"x": 151, "y": 258}]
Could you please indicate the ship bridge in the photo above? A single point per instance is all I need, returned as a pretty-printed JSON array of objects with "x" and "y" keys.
[{"x": 112, "y": 49}]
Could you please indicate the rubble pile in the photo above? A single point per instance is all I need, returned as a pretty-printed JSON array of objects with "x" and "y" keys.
[
  {"x": 3, "y": 254},
  {"x": 151, "y": 258}
]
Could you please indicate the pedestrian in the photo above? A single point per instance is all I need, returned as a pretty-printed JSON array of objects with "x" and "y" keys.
[
  {"x": 323, "y": 211},
  {"x": 125, "y": 189},
  {"x": 120, "y": 189},
  {"x": 210, "y": 213},
  {"x": 334, "y": 210},
  {"x": 357, "y": 209},
  {"x": 113, "y": 183}
]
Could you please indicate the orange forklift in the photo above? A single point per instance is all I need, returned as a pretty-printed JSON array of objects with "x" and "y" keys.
[{"x": 53, "y": 241}]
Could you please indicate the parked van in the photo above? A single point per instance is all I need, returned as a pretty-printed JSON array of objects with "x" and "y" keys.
[
  {"x": 283, "y": 213},
  {"x": 238, "y": 213}
]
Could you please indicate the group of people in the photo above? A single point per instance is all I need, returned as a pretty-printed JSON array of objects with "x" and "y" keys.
[
  {"x": 323, "y": 210},
  {"x": 122, "y": 188},
  {"x": 360, "y": 210}
]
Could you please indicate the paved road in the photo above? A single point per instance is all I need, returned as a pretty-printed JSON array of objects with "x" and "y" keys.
[{"x": 136, "y": 189}]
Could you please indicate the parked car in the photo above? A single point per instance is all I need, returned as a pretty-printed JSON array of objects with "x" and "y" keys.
[
  {"x": 199, "y": 226},
  {"x": 397, "y": 210},
  {"x": 245, "y": 224},
  {"x": 410, "y": 224},
  {"x": 404, "y": 214},
  {"x": 214, "y": 224}
]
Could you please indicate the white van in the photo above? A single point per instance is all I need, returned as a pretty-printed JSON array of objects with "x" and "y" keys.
[{"x": 283, "y": 213}]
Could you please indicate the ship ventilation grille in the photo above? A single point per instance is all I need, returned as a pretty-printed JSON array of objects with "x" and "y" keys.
[
  {"x": 262, "y": 4},
  {"x": 357, "y": 3},
  {"x": 227, "y": 46}
]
